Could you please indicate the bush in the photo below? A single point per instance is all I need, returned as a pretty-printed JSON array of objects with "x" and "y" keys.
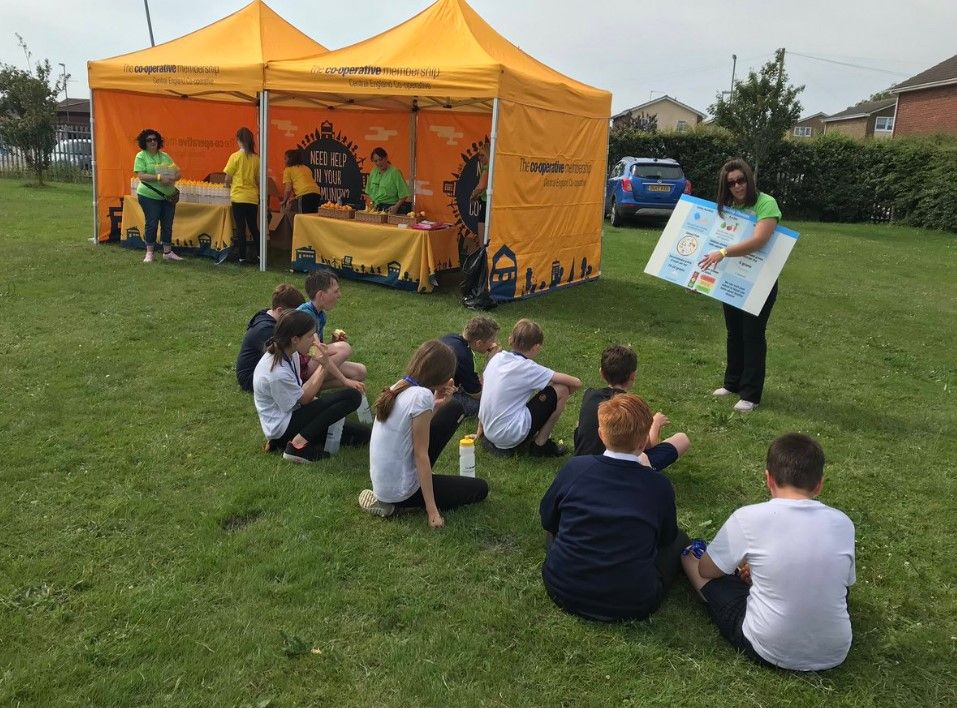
[{"x": 830, "y": 178}]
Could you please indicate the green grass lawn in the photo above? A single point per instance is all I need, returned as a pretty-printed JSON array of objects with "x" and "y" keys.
[{"x": 151, "y": 554}]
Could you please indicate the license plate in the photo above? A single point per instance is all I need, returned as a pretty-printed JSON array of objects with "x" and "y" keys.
[{"x": 659, "y": 188}]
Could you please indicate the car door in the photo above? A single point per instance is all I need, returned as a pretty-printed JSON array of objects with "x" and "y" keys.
[{"x": 613, "y": 179}]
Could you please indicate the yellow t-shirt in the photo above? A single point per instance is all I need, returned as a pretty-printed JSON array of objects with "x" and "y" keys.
[
  {"x": 300, "y": 177},
  {"x": 244, "y": 169}
]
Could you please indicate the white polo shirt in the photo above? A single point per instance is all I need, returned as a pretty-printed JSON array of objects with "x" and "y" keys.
[{"x": 508, "y": 382}]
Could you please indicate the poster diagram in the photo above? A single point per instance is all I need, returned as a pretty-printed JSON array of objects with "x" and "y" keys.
[{"x": 694, "y": 230}]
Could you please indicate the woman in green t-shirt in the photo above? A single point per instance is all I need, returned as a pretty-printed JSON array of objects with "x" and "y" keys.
[
  {"x": 157, "y": 174},
  {"x": 747, "y": 344},
  {"x": 386, "y": 186}
]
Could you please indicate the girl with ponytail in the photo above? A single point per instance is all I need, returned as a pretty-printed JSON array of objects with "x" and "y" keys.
[
  {"x": 291, "y": 416},
  {"x": 414, "y": 420}
]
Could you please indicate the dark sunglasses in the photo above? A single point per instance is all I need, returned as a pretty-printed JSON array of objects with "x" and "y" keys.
[{"x": 736, "y": 182}]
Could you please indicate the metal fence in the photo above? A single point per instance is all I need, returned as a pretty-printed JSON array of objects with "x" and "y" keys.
[{"x": 70, "y": 160}]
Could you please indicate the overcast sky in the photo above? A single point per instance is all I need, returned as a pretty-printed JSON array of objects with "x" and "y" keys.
[{"x": 635, "y": 49}]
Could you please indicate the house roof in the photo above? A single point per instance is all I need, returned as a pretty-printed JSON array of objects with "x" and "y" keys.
[
  {"x": 940, "y": 75},
  {"x": 653, "y": 101},
  {"x": 819, "y": 114},
  {"x": 74, "y": 105},
  {"x": 865, "y": 109}
]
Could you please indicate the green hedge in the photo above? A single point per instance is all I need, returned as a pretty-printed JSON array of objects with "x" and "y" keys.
[{"x": 831, "y": 178}]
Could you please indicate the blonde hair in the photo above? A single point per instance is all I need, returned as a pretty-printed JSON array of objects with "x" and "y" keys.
[
  {"x": 624, "y": 422},
  {"x": 525, "y": 335}
]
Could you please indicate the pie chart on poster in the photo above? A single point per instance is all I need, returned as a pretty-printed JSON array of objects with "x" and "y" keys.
[{"x": 687, "y": 245}]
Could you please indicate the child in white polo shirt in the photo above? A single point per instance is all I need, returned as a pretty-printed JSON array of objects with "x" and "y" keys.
[
  {"x": 776, "y": 576},
  {"x": 521, "y": 399}
]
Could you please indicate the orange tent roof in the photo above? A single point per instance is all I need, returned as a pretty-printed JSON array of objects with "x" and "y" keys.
[
  {"x": 224, "y": 60},
  {"x": 446, "y": 55}
]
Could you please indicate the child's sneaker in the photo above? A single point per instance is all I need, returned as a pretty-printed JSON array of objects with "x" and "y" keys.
[
  {"x": 721, "y": 392},
  {"x": 744, "y": 406},
  {"x": 170, "y": 256},
  {"x": 149, "y": 257},
  {"x": 371, "y": 505},
  {"x": 549, "y": 449},
  {"x": 304, "y": 455},
  {"x": 493, "y": 449}
]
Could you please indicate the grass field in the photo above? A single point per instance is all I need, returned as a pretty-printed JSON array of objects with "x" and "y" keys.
[{"x": 151, "y": 554}]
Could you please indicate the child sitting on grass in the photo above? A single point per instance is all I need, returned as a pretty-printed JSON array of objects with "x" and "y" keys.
[
  {"x": 480, "y": 335},
  {"x": 617, "y": 546},
  {"x": 414, "y": 420},
  {"x": 619, "y": 366},
  {"x": 776, "y": 576},
  {"x": 521, "y": 399}
]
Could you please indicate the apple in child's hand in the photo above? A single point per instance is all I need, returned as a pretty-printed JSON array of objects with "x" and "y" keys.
[{"x": 339, "y": 335}]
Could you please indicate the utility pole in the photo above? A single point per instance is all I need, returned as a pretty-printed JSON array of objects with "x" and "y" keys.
[
  {"x": 734, "y": 67},
  {"x": 66, "y": 96},
  {"x": 149, "y": 22}
]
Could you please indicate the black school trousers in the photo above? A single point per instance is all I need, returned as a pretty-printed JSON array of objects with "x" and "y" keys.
[{"x": 747, "y": 349}]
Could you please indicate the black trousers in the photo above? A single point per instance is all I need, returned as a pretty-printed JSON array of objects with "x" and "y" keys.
[
  {"x": 312, "y": 420},
  {"x": 747, "y": 349},
  {"x": 309, "y": 203},
  {"x": 244, "y": 217},
  {"x": 450, "y": 491}
]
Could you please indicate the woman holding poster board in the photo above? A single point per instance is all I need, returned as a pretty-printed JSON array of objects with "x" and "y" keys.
[{"x": 747, "y": 344}]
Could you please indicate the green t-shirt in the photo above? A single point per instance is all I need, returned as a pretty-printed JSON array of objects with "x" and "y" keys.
[
  {"x": 766, "y": 207},
  {"x": 387, "y": 187},
  {"x": 147, "y": 163}
]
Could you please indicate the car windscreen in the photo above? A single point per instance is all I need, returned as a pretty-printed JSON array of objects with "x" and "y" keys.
[{"x": 657, "y": 171}]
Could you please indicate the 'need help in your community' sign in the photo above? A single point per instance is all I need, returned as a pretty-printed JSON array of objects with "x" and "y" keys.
[{"x": 694, "y": 230}]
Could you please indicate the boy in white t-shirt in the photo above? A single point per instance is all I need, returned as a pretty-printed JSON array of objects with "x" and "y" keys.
[
  {"x": 776, "y": 576},
  {"x": 521, "y": 399}
]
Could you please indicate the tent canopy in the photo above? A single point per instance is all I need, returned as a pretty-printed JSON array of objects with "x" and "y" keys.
[
  {"x": 447, "y": 56},
  {"x": 222, "y": 61}
]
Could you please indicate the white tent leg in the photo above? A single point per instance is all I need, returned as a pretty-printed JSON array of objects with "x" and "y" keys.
[
  {"x": 96, "y": 212},
  {"x": 493, "y": 141},
  {"x": 263, "y": 177}
]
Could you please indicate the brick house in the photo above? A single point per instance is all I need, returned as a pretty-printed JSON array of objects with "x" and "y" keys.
[
  {"x": 672, "y": 114},
  {"x": 73, "y": 118},
  {"x": 809, "y": 127},
  {"x": 927, "y": 102},
  {"x": 868, "y": 119}
]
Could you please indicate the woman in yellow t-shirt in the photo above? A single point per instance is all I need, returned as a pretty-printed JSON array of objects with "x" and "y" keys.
[
  {"x": 242, "y": 178},
  {"x": 298, "y": 182}
]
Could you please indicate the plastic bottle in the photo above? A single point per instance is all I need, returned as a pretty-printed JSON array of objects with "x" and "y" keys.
[
  {"x": 364, "y": 412},
  {"x": 334, "y": 436},
  {"x": 467, "y": 457}
]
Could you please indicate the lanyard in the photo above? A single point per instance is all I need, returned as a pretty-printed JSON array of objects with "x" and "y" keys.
[{"x": 286, "y": 358}]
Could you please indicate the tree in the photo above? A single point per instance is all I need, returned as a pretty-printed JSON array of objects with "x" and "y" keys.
[
  {"x": 881, "y": 95},
  {"x": 645, "y": 122},
  {"x": 761, "y": 110},
  {"x": 28, "y": 110}
]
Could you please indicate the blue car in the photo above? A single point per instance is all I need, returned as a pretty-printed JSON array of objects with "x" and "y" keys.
[{"x": 644, "y": 186}]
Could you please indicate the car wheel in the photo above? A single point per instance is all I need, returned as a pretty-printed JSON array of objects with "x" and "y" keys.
[{"x": 614, "y": 215}]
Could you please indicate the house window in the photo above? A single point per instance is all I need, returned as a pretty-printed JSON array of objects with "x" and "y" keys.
[
  {"x": 884, "y": 124},
  {"x": 802, "y": 131},
  {"x": 682, "y": 126}
]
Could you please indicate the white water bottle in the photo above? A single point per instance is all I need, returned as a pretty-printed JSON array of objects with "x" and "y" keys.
[
  {"x": 467, "y": 457},
  {"x": 364, "y": 412},
  {"x": 334, "y": 436}
]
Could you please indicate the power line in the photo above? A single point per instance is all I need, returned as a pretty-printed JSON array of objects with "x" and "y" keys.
[{"x": 844, "y": 63}]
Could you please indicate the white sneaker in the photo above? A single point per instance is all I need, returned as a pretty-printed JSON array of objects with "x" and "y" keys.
[
  {"x": 721, "y": 392},
  {"x": 371, "y": 505},
  {"x": 744, "y": 406},
  {"x": 170, "y": 256},
  {"x": 149, "y": 257}
]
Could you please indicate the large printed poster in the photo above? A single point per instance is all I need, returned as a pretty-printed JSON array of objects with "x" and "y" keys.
[{"x": 696, "y": 229}]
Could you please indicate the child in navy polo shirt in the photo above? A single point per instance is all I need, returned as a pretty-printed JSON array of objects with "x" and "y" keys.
[
  {"x": 481, "y": 336},
  {"x": 619, "y": 366},
  {"x": 521, "y": 399},
  {"x": 615, "y": 544}
]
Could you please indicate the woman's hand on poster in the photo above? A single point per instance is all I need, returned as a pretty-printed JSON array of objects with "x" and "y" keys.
[{"x": 711, "y": 260}]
